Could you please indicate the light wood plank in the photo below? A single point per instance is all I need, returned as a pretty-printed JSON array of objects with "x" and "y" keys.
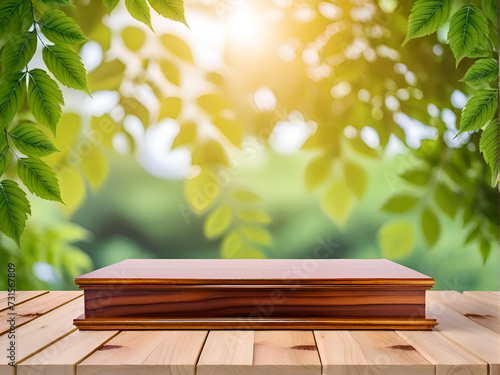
[
  {"x": 479, "y": 340},
  {"x": 36, "y": 307},
  {"x": 448, "y": 357},
  {"x": 286, "y": 352},
  {"x": 369, "y": 352},
  {"x": 42, "y": 332},
  {"x": 146, "y": 352},
  {"x": 20, "y": 297},
  {"x": 486, "y": 297},
  {"x": 259, "y": 352},
  {"x": 61, "y": 357},
  {"x": 482, "y": 313},
  {"x": 227, "y": 352}
]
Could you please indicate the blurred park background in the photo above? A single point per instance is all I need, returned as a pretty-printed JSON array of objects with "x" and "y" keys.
[{"x": 277, "y": 129}]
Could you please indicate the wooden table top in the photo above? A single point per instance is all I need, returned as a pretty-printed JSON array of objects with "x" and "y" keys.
[
  {"x": 255, "y": 271},
  {"x": 466, "y": 342}
]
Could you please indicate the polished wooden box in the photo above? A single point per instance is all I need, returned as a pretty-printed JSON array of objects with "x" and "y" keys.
[{"x": 255, "y": 294}]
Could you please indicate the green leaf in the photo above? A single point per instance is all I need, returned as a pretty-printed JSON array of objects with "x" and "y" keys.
[
  {"x": 132, "y": 106},
  {"x": 57, "y": 3},
  {"x": 110, "y": 4},
  {"x": 336, "y": 202},
  {"x": 14, "y": 209},
  {"x": 11, "y": 13},
  {"x": 170, "y": 71},
  {"x": 446, "y": 200},
  {"x": 485, "y": 249},
  {"x": 170, "y": 108},
  {"x": 246, "y": 196},
  {"x": 400, "y": 203},
  {"x": 356, "y": 178},
  {"x": 213, "y": 103},
  {"x": 258, "y": 235},
  {"x": 430, "y": 226},
  {"x": 139, "y": 9},
  {"x": 418, "y": 177},
  {"x": 426, "y": 17},
  {"x": 39, "y": 178},
  {"x": 317, "y": 171},
  {"x": 66, "y": 66},
  {"x": 479, "y": 110},
  {"x": 360, "y": 146},
  {"x": 31, "y": 141},
  {"x": 44, "y": 98},
  {"x": 202, "y": 190},
  {"x": 95, "y": 167},
  {"x": 489, "y": 145},
  {"x": 484, "y": 70},
  {"x": 231, "y": 129},
  {"x": 107, "y": 76},
  {"x": 231, "y": 244},
  {"x": 473, "y": 234},
  {"x": 4, "y": 152},
  {"x": 171, "y": 9},
  {"x": 59, "y": 28},
  {"x": 12, "y": 93},
  {"x": 209, "y": 153},
  {"x": 467, "y": 27},
  {"x": 397, "y": 240},
  {"x": 133, "y": 38},
  {"x": 18, "y": 51},
  {"x": 177, "y": 46},
  {"x": 255, "y": 216},
  {"x": 186, "y": 135},
  {"x": 490, "y": 8},
  {"x": 218, "y": 221}
]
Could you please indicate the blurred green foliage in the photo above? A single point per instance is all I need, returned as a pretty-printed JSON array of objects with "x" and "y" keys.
[{"x": 337, "y": 68}]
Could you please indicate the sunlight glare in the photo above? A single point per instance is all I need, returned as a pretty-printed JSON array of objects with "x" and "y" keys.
[{"x": 243, "y": 25}]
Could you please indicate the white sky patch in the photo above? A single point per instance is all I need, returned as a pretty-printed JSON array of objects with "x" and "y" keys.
[
  {"x": 370, "y": 136},
  {"x": 265, "y": 99},
  {"x": 414, "y": 130},
  {"x": 46, "y": 272},
  {"x": 452, "y": 142},
  {"x": 449, "y": 118},
  {"x": 458, "y": 99},
  {"x": 91, "y": 54},
  {"x": 340, "y": 90},
  {"x": 350, "y": 131},
  {"x": 158, "y": 159},
  {"x": 288, "y": 137},
  {"x": 395, "y": 146}
]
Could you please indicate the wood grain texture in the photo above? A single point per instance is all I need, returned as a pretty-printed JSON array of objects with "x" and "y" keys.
[
  {"x": 224, "y": 302},
  {"x": 479, "y": 340},
  {"x": 34, "y": 308},
  {"x": 249, "y": 323},
  {"x": 480, "y": 312},
  {"x": 41, "y": 332},
  {"x": 259, "y": 352},
  {"x": 152, "y": 353},
  {"x": 61, "y": 357},
  {"x": 487, "y": 297},
  {"x": 20, "y": 297},
  {"x": 448, "y": 357},
  {"x": 254, "y": 271},
  {"x": 369, "y": 352}
]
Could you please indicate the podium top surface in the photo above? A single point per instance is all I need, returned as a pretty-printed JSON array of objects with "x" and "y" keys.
[{"x": 254, "y": 272}]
